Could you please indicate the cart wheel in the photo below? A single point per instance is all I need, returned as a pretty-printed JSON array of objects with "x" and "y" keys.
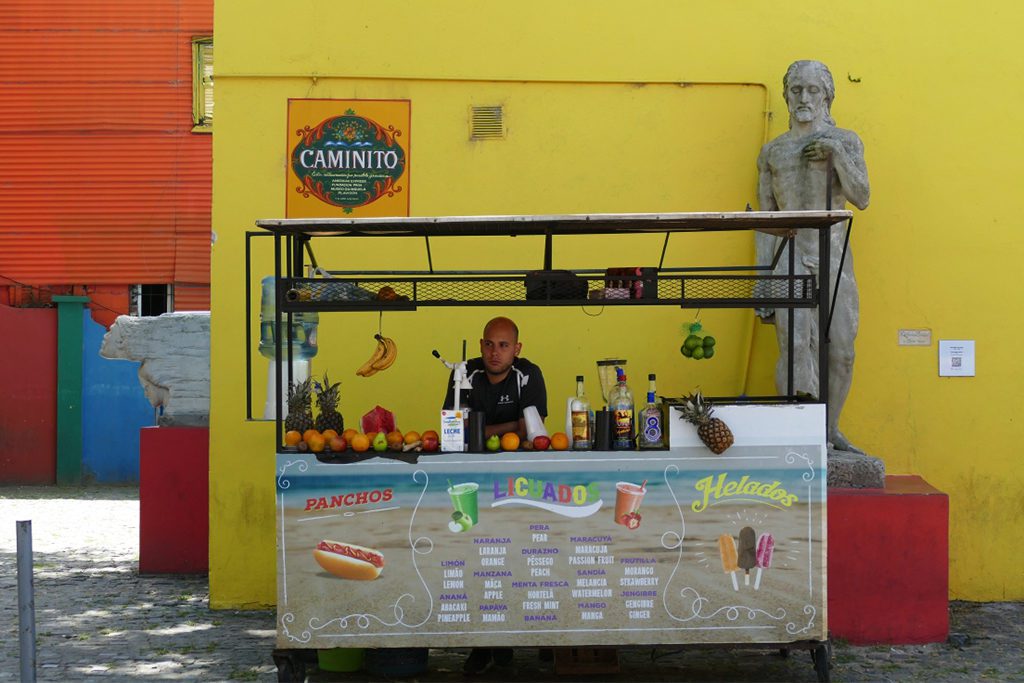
[
  {"x": 822, "y": 654},
  {"x": 291, "y": 668}
]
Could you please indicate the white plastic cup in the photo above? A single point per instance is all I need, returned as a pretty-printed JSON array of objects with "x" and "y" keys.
[{"x": 534, "y": 423}]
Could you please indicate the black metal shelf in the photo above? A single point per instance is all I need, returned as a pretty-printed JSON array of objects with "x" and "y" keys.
[{"x": 483, "y": 289}]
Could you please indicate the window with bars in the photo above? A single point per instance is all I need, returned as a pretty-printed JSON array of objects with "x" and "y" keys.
[
  {"x": 202, "y": 84},
  {"x": 146, "y": 300}
]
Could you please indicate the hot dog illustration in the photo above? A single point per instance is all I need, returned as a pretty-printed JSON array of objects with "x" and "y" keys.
[{"x": 349, "y": 561}]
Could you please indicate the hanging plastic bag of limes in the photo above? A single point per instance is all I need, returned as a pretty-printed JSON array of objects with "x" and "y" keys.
[{"x": 696, "y": 345}]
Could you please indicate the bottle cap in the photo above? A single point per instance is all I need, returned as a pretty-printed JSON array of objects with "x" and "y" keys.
[
  {"x": 651, "y": 377},
  {"x": 579, "y": 378}
]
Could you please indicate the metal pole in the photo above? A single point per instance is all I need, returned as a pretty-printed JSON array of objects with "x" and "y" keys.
[
  {"x": 790, "y": 317},
  {"x": 26, "y": 604}
]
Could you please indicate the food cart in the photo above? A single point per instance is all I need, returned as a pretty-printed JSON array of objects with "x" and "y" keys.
[{"x": 676, "y": 546}]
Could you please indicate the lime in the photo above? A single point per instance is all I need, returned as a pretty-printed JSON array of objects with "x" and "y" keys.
[
  {"x": 698, "y": 353},
  {"x": 709, "y": 341},
  {"x": 709, "y": 351},
  {"x": 692, "y": 342},
  {"x": 685, "y": 351}
]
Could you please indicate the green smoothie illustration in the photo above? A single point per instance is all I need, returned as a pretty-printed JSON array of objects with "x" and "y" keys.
[{"x": 464, "y": 501}]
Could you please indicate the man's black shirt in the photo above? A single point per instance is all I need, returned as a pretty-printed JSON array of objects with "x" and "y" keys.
[{"x": 505, "y": 401}]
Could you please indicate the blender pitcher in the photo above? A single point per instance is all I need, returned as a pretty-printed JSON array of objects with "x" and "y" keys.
[{"x": 606, "y": 376}]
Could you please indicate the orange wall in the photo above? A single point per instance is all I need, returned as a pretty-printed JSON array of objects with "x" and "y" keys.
[{"x": 103, "y": 181}]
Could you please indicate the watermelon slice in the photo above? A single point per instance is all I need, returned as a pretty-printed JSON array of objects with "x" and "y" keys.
[{"x": 379, "y": 420}]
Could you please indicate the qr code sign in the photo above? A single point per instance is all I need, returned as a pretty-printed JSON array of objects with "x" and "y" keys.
[{"x": 956, "y": 361}]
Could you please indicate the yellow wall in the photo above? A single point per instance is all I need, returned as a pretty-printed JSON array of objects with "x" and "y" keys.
[{"x": 598, "y": 122}]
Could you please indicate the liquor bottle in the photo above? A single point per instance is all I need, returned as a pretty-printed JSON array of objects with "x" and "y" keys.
[
  {"x": 582, "y": 435},
  {"x": 620, "y": 404},
  {"x": 652, "y": 431}
]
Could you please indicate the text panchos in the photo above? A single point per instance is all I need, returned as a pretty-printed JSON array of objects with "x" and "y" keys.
[{"x": 349, "y": 499}]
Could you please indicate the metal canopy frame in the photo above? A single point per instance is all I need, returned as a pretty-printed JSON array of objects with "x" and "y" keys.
[{"x": 293, "y": 241}]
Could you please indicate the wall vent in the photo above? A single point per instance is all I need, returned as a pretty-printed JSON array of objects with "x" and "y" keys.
[{"x": 486, "y": 123}]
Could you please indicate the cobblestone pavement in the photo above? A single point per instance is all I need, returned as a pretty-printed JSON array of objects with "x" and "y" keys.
[{"x": 97, "y": 618}]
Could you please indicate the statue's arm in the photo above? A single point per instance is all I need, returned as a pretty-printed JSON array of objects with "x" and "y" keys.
[
  {"x": 852, "y": 171},
  {"x": 847, "y": 153},
  {"x": 765, "y": 194}
]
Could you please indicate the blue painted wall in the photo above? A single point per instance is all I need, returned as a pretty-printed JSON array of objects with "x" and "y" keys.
[{"x": 113, "y": 410}]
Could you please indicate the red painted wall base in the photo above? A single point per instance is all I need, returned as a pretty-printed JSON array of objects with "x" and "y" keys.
[
  {"x": 174, "y": 506},
  {"x": 888, "y": 563}
]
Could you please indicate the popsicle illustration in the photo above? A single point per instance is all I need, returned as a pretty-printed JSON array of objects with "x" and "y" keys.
[
  {"x": 747, "y": 553},
  {"x": 765, "y": 548},
  {"x": 727, "y": 549}
]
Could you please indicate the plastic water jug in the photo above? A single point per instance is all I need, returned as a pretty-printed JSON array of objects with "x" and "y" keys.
[{"x": 303, "y": 331}]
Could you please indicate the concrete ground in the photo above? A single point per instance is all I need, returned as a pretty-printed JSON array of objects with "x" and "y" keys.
[{"x": 97, "y": 618}]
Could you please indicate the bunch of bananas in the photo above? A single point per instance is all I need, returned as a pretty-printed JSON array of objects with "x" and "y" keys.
[{"x": 383, "y": 357}]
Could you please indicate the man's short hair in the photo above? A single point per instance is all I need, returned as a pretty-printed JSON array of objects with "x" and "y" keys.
[{"x": 504, "y": 321}]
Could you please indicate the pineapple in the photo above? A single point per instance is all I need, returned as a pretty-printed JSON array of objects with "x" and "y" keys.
[
  {"x": 712, "y": 431},
  {"x": 327, "y": 398},
  {"x": 300, "y": 407}
]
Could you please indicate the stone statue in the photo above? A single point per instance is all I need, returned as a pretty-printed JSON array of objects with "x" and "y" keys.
[
  {"x": 795, "y": 171},
  {"x": 174, "y": 349}
]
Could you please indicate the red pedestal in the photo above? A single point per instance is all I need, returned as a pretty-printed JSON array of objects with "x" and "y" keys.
[
  {"x": 174, "y": 507},
  {"x": 888, "y": 563}
]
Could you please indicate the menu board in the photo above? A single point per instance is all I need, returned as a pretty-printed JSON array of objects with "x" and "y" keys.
[{"x": 574, "y": 548}]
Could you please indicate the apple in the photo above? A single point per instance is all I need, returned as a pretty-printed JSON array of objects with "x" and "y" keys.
[
  {"x": 430, "y": 443},
  {"x": 541, "y": 442},
  {"x": 494, "y": 442},
  {"x": 338, "y": 444}
]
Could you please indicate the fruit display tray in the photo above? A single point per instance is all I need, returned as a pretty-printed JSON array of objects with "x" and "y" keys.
[{"x": 409, "y": 291}]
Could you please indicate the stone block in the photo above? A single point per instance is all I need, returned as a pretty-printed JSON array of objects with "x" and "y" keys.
[
  {"x": 174, "y": 349},
  {"x": 854, "y": 470}
]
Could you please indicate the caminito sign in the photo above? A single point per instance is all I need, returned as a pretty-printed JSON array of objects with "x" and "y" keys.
[{"x": 348, "y": 161}]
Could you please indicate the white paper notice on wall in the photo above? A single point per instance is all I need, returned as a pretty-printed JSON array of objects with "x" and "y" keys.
[
  {"x": 917, "y": 337},
  {"x": 956, "y": 358}
]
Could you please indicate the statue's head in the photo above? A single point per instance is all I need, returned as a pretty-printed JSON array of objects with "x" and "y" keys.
[{"x": 809, "y": 90}]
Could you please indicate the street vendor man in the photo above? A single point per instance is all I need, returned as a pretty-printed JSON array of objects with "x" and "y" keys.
[{"x": 504, "y": 385}]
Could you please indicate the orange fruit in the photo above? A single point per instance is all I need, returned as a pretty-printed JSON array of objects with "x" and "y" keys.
[
  {"x": 316, "y": 443},
  {"x": 328, "y": 434},
  {"x": 292, "y": 438},
  {"x": 412, "y": 437},
  {"x": 360, "y": 443},
  {"x": 431, "y": 433},
  {"x": 371, "y": 436},
  {"x": 559, "y": 441},
  {"x": 349, "y": 433},
  {"x": 510, "y": 441},
  {"x": 395, "y": 440},
  {"x": 309, "y": 434}
]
